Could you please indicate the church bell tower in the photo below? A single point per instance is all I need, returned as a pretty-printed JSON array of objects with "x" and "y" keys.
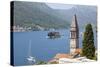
[{"x": 74, "y": 36}]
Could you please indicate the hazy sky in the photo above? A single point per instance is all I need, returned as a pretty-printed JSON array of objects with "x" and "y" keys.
[{"x": 60, "y": 6}]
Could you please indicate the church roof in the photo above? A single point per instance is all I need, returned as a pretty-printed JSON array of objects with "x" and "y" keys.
[{"x": 74, "y": 24}]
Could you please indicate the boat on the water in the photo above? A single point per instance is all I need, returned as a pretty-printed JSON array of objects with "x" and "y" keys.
[{"x": 30, "y": 58}]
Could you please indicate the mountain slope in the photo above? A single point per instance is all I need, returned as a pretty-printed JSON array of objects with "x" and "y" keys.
[
  {"x": 36, "y": 13},
  {"x": 85, "y": 14},
  {"x": 28, "y": 14}
]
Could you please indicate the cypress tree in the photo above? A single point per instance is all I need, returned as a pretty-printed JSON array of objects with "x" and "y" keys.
[{"x": 88, "y": 48}]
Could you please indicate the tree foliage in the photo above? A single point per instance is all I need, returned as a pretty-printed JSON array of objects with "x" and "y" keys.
[{"x": 88, "y": 49}]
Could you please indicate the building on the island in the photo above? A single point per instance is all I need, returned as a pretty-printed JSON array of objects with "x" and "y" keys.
[{"x": 74, "y": 36}]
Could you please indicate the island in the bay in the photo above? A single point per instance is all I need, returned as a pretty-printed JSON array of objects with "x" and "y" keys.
[{"x": 50, "y": 33}]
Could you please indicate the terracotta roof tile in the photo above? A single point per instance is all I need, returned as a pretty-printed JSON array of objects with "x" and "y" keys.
[{"x": 62, "y": 56}]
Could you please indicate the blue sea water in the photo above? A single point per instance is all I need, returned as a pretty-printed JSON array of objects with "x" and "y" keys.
[{"x": 42, "y": 48}]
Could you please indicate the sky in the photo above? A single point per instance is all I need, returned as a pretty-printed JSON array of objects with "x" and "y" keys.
[{"x": 60, "y": 6}]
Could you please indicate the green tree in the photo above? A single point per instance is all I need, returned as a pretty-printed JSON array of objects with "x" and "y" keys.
[{"x": 88, "y": 49}]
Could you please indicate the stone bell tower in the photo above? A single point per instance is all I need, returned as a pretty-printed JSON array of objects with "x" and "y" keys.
[{"x": 74, "y": 36}]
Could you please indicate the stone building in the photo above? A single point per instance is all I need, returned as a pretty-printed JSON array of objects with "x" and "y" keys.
[{"x": 74, "y": 36}]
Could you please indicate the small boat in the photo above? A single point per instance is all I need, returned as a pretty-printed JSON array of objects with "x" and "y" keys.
[{"x": 30, "y": 57}]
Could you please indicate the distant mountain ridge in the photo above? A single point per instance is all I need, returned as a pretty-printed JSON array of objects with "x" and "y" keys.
[{"x": 28, "y": 14}]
